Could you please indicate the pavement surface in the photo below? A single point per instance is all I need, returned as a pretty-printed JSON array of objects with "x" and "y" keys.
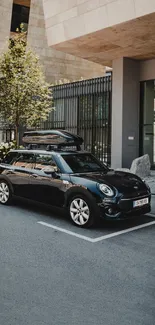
[
  {"x": 151, "y": 181},
  {"x": 56, "y": 276}
]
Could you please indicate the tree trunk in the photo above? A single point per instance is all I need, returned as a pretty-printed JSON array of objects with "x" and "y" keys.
[{"x": 17, "y": 135}]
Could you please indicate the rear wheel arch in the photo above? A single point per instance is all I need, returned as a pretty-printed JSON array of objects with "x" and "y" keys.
[
  {"x": 5, "y": 178},
  {"x": 5, "y": 191}
]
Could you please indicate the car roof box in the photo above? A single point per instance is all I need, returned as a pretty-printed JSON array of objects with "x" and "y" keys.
[{"x": 52, "y": 139}]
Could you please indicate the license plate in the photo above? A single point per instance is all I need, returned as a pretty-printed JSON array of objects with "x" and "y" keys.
[{"x": 141, "y": 202}]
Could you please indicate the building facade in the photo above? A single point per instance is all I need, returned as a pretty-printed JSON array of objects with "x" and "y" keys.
[
  {"x": 57, "y": 65},
  {"x": 119, "y": 34}
]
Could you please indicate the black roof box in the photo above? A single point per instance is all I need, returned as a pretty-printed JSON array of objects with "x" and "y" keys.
[{"x": 59, "y": 138}]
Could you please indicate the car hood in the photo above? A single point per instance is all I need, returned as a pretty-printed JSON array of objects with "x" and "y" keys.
[{"x": 122, "y": 181}]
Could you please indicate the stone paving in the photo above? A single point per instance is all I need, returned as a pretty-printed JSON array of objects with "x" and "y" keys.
[{"x": 150, "y": 180}]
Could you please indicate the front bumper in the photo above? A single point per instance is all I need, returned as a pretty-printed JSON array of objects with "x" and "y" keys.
[{"x": 123, "y": 208}]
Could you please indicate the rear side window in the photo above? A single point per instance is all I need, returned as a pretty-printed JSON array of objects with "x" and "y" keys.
[
  {"x": 24, "y": 160},
  {"x": 10, "y": 158}
]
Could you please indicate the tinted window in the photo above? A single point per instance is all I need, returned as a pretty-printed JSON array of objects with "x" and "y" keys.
[
  {"x": 10, "y": 158},
  {"x": 81, "y": 163},
  {"x": 44, "y": 161},
  {"x": 25, "y": 160}
]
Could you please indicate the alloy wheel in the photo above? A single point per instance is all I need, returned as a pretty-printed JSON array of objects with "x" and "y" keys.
[
  {"x": 79, "y": 211},
  {"x": 4, "y": 193}
]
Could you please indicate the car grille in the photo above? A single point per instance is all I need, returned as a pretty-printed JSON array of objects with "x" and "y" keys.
[{"x": 137, "y": 194}]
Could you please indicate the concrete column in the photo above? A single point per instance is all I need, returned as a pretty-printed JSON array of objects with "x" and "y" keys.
[{"x": 125, "y": 112}]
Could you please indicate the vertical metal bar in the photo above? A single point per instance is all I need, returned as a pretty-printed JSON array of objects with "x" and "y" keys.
[{"x": 85, "y": 108}]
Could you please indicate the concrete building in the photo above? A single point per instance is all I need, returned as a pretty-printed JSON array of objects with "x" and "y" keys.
[
  {"x": 119, "y": 34},
  {"x": 57, "y": 65}
]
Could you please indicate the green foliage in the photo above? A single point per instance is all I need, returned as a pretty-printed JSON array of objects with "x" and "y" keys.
[{"x": 25, "y": 98}]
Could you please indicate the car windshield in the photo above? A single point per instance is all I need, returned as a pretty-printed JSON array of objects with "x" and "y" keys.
[{"x": 81, "y": 163}]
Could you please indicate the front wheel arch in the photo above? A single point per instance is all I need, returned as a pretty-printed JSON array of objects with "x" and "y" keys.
[{"x": 77, "y": 190}]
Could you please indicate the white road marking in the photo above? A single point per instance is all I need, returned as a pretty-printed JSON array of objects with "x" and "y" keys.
[
  {"x": 150, "y": 215},
  {"x": 65, "y": 231},
  {"x": 95, "y": 240},
  {"x": 118, "y": 233}
]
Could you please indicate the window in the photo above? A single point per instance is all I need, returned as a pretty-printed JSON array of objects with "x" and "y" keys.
[
  {"x": 81, "y": 163},
  {"x": 20, "y": 15},
  {"x": 44, "y": 161},
  {"x": 24, "y": 160},
  {"x": 10, "y": 158}
]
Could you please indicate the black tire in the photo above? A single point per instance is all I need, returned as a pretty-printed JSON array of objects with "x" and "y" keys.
[
  {"x": 5, "y": 192},
  {"x": 92, "y": 206}
]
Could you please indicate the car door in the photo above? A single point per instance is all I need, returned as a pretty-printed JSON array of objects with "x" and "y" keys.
[
  {"x": 18, "y": 171},
  {"x": 46, "y": 188}
]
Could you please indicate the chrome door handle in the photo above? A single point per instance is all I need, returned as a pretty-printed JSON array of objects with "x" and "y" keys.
[{"x": 11, "y": 171}]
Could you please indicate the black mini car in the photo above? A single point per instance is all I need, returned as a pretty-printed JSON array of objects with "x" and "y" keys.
[{"x": 51, "y": 171}]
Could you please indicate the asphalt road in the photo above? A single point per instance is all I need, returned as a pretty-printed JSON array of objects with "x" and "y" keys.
[{"x": 48, "y": 277}]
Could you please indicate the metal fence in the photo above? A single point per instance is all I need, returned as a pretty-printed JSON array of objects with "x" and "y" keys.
[{"x": 84, "y": 108}]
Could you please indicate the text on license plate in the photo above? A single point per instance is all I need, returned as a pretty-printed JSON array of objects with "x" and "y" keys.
[{"x": 141, "y": 202}]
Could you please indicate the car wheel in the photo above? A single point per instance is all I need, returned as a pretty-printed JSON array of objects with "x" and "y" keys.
[
  {"x": 5, "y": 192},
  {"x": 82, "y": 211}
]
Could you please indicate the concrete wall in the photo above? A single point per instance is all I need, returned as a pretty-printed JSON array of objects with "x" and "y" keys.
[
  {"x": 127, "y": 75},
  {"x": 147, "y": 70},
  {"x": 5, "y": 22},
  {"x": 125, "y": 112},
  {"x": 57, "y": 65},
  {"x": 69, "y": 19}
]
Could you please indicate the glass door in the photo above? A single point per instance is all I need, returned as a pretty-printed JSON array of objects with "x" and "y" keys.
[{"x": 147, "y": 120}]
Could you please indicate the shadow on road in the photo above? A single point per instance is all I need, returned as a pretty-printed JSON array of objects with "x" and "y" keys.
[{"x": 61, "y": 216}]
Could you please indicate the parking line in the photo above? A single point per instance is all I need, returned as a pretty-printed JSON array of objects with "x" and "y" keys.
[
  {"x": 95, "y": 240},
  {"x": 121, "y": 232},
  {"x": 66, "y": 231},
  {"x": 152, "y": 215}
]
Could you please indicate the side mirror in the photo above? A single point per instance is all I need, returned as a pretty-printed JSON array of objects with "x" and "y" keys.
[{"x": 50, "y": 170}]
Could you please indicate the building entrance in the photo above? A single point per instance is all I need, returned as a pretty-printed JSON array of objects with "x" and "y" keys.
[{"x": 147, "y": 120}]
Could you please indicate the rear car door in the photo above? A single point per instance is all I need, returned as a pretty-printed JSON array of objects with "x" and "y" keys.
[
  {"x": 17, "y": 168},
  {"x": 46, "y": 188}
]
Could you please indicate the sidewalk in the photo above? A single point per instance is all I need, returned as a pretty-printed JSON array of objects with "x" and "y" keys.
[
  {"x": 151, "y": 182},
  {"x": 153, "y": 205}
]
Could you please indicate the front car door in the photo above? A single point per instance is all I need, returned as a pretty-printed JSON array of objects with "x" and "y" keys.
[{"x": 46, "y": 188}]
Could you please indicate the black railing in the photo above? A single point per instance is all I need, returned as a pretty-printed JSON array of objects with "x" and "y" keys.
[{"x": 84, "y": 108}]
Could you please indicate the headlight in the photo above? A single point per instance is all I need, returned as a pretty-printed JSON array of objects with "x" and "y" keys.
[{"x": 106, "y": 190}]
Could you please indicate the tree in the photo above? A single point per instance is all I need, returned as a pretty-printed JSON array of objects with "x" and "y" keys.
[{"x": 25, "y": 98}]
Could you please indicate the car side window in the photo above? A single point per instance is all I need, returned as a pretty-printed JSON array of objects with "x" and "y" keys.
[
  {"x": 10, "y": 158},
  {"x": 43, "y": 161},
  {"x": 24, "y": 160}
]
